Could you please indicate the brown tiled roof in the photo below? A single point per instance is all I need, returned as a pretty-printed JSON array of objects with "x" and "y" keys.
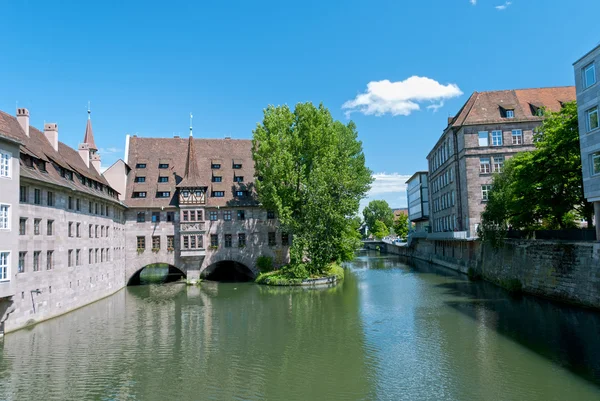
[
  {"x": 191, "y": 177},
  {"x": 207, "y": 151},
  {"x": 89, "y": 135},
  {"x": 38, "y": 146},
  {"x": 488, "y": 107}
]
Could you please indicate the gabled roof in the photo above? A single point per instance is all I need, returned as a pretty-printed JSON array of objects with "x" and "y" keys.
[{"x": 191, "y": 177}]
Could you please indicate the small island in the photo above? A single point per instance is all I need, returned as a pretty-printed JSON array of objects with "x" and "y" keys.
[{"x": 311, "y": 171}]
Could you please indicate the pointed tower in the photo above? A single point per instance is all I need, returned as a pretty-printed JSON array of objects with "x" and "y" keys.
[
  {"x": 88, "y": 149},
  {"x": 192, "y": 189}
]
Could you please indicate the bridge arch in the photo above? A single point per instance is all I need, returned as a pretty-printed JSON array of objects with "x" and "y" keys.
[
  {"x": 155, "y": 272},
  {"x": 228, "y": 271}
]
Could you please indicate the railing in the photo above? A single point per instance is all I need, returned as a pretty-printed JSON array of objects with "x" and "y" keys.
[
  {"x": 194, "y": 226},
  {"x": 448, "y": 235}
]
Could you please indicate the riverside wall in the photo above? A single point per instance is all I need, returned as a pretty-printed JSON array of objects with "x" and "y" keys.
[{"x": 560, "y": 270}]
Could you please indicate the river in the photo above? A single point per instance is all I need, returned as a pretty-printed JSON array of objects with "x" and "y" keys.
[{"x": 391, "y": 331}]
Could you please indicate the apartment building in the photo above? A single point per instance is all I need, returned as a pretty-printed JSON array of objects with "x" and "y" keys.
[
  {"x": 489, "y": 129},
  {"x": 588, "y": 101},
  {"x": 418, "y": 201}
]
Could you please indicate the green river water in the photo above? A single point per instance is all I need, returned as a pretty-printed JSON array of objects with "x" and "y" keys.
[{"x": 391, "y": 331}]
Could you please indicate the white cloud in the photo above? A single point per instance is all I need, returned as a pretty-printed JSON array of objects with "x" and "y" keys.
[
  {"x": 389, "y": 187},
  {"x": 474, "y": 2},
  {"x": 504, "y": 6},
  {"x": 109, "y": 150},
  {"x": 400, "y": 98}
]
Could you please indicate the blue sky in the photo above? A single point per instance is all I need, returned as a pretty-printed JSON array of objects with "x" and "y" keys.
[{"x": 397, "y": 68}]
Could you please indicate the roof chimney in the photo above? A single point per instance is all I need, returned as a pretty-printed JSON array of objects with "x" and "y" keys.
[
  {"x": 51, "y": 134},
  {"x": 23, "y": 119}
]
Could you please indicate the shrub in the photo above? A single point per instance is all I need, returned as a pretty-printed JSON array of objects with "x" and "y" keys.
[{"x": 264, "y": 263}]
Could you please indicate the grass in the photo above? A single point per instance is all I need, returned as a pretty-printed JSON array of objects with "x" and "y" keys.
[{"x": 285, "y": 276}]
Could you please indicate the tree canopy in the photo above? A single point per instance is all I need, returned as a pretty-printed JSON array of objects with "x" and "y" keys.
[
  {"x": 378, "y": 210},
  {"x": 380, "y": 230},
  {"x": 311, "y": 171},
  {"x": 401, "y": 225},
  {"x": 542, "y": 187}
]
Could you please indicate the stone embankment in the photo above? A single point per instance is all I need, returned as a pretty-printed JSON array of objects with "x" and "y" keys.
[{"x": 564, "y": 271}]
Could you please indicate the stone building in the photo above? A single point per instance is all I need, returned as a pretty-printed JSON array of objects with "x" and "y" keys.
[
  {"x": 63, "y": 246},
  {"x": 417, "y": 191},
  {"x": 70, "y": 235},
  {"x": 588, "y": 101},
  {"x": 489, "y": 129}
]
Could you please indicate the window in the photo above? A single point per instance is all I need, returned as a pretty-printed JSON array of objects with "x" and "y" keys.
[
  {"x": 595, "y": 163},
  {"x": 91, "y": 230},
  {"x": 70, "y": 228},
  {"x": 4, "y": 217},
  {"x": 241, "y": 240},
  {"x": 139, "y": 195},
  {"x": 102, "y": 255},
  {"x": 212, "y": 215},
  {"x": 140, "y": 179},
  {"x": 22, "y": 256},
  {"x": 78, "y": 230},
  {"x": 140, "y": 165},
  {"x": 270, "y": 214},
  {"x": 36, "y": 261},
  {"x": 484, "y": 165},
  {"x": 163, "y": 165},
  {"x": 517, "y": 137},
  {"x": 218, "y": 194},
  {"x": 483, "y": 138},
  {"x": 90, "y": 208},
  {"x": 156, "y": 217},
  {"x": 496, "y": 138},
  {"x": 141, "y": 217},
  {"x": 4, "y": 264},
  {"x": 37, "y": 196},
  {"x": 170, "y": 216},
  {"x": 78, "y": 257},
  {"x": 217, "y": 179},
  {"x": 240, "y": 193},
  {"x": 214, "y": 240},
  {"x": 215, "y": 166},
  {"x": 193, "y": 241},
  {"x": 510, "y": 114},
  {"x": 78, "y": 204},
  {"x": 70, "y": 202},
  {"x": 141, "y": 243},
  {"x": 170, "y": 242},
  {"x": 241, "y": 215},
  {"x": 592, "y": 119},
  {"x": 185, "y": 216},
  {"x": 163, "y": 179},
  {"x": 485, "y": 192},
  {"x": 91, "y": 256},
  {"x": 155, "y": 242},
  {"x": 237, "y": 166},
  {"x": 70, "y": 264},
  {"x": 23, "y": 194},
  {"x": 186, "y": 242},
  {"x": 96, "y": 230},
  {"x": 95, "y": 208},
  {"x": 589, "y": 75},
  {"x": 272, "y": 241},
  {"x": 185, "y": 194},
  {"x": 163, "y": 194},
  {"x": 96, "y": 254},
  {"x": 238, "y": 178},
  {"x": 227, "y": 240},
  {"x": 498, "y": 163},
  {"x": 285, "y": 239},
  {"x": 5, "y": 159},
  {"x": 227, "y": 215},
  {"x": 198, "y": 215},
  {"x": 50, "y": 199},
  {"x": 36, "y": 226}
]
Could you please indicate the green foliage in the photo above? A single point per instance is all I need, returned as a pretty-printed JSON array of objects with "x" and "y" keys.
[
  {"x": 401, "y": 226},
  {"x": 380, "y": 230},
  {"x": 540, "y": 188},
  {"x": 378, "y": 210},
  {"x": 311, "y": 171},
  {"x": 264, "y": 263},
  {"x": 293, "y": 275}
]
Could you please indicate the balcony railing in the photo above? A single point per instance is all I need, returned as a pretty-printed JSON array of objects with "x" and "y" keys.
[
  {"x": 192, "y": 252},
  {"x": 448, "y": 235},
  {"x": 193, "y": 226}
]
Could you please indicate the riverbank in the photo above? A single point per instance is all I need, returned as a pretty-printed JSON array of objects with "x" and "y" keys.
[
  {"x": 286, "y": 277},
  {"x": 564, "y": 271}
]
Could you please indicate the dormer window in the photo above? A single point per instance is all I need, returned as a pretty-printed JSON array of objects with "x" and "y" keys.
[
  {"x": 240, "y": 193},
  {"x": 218, "y": 194},
  {"x": 215, "y": 166},
  {"x": 163, "y": 194},
  {"x": 238, "y": 178},
  {"x": 139, "y": 195},
  {"x": 163, "y": 165},
  {"x": 140, "y": 165},
  {"x": 237, "y": 166},
  {"x": 198, "y": 193},
  {"x": 163, "y": 179},
  {"x": 140, "y": 179},
  {"x": 510, "y": 114},
  {"x": 217, "y": 179},
  {"x": 185, "y": 194}
]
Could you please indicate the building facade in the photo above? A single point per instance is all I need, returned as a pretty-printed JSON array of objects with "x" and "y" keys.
[
  {"x": 489, "y": 129},
  {"x": 418, "y": 202},
  {"x": 588, "y": 102}
]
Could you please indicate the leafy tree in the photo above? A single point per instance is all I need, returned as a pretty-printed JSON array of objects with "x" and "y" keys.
[
  {"x": 543, "y": 187},
  {"x": 380, "y": 230},
  {"x": 311, "y": 171},
  {"x": 401, "y": 226},
  {"x": 378, "y": 210}
]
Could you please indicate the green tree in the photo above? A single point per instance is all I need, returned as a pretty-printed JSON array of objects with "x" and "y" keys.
[
  {"x": 311, "y": 171},
  {"x": 401, "y": 226},
  {"x": 380, "y": 230},
  {"x": 543, "y": 187},
  {"x": 378, "y": 210}
]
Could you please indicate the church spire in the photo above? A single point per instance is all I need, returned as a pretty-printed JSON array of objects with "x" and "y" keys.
[
  {"x": 89, "y": 133},
  {"x": 191, "y": 177}
]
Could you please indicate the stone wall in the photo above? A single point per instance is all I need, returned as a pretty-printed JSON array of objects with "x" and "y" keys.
[{"x": 564, "y": 271}]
